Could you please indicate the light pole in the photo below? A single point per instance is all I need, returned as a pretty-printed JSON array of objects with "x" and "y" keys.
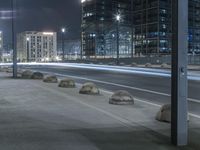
[
  {"x": 63, "y": 30},
  {"x": 132, "y": 30},
  {"x": 118, "y": 18},
  {"x": 81, "y": 35},
  {"x": 13, "y": 43},
  {"x": 27, "y": 45}
]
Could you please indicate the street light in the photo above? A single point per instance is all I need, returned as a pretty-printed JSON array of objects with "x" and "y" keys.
[
  {"x": 13, "y": 43},
  {"x": 27, "y": 45},
  {"x": 63, "y": 30},
  {"x": 118, "y": 18}
]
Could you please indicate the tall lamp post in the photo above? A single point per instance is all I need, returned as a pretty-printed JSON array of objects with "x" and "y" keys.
[
  {"x": 63, "y": 30},
  {"x": 13, "y": 43},
  {"x": 27, "y": 45},
  {"x": 118, "y": 18}
]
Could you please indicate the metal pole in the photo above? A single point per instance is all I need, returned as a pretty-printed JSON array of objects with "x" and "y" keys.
[
  {"x": 13, "y": 43},
  {"x": 27, "y": 50},
  {"x": 81, "y": 31},
  {"x": 132, "y": 32},
  {"x": 117, "y": 42},
  {"x": 63, "y": 50},
  {"x": 81, "y": 45},
  {"x": 179, "y": 124}
]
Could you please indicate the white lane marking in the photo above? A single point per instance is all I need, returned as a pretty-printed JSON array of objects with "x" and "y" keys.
[
  {"x": 110, "y": 83},
  {"x": 109, "y": 92},
  {"x": 193, "y": 115},
  {"x": 136, "y": 99},
  {"x": 124, "y": 86},
  {"x": 153, "y": 104},
  {"x": 194, "y": 100},
  {"x": 123, "y": 121}
]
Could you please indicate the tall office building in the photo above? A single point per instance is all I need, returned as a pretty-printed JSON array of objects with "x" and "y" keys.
[
  {"x": 152, "y": 26},
  {"x": 99, "y": 27},
  {"x": 35, "y": 46},
  {"x": 145, "y": 28}
]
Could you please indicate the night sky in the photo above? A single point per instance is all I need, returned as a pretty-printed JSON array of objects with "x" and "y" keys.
[{"x": 41, "y": 15}]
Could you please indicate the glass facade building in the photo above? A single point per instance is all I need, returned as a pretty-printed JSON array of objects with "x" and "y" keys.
[
  {"x": 99, "y": 27},
  {"x": 144, "y": 29},
  {"x": 152, "y": 26}
]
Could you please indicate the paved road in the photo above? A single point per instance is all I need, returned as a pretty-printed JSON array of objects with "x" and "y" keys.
[
  {"x": 155, "y": 89},
  {"x": 41, "y": 116}
]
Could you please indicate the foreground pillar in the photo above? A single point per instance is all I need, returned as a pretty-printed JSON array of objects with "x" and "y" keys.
[{"x": 179, "y": 125}]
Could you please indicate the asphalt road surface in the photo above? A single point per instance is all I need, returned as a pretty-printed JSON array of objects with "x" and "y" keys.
[{"x": 154, "y": 89}]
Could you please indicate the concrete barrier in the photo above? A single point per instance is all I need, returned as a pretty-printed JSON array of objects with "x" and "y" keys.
[
  {"x": 164, "y": 114},
  {"x": 164, "y": 65},
  {"x": 67, "y": 83},
  {"x": 111, "y": 63},
  {"x": 89, "y": 88},
  {"x": 27, "y": 74},
  {"x": 37, "y": 76},
  {"x": 122, "y": 64},
  {"x": 50, "y": 79},
  {"x": 121, "y": 97},
  {"x": 148, "y": 65},
  {"x": 9, "y": 70},
  {"x": 134, "y": 64}
]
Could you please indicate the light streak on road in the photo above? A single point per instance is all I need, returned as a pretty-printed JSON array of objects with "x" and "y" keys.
[{"x": 121, "y": 69}]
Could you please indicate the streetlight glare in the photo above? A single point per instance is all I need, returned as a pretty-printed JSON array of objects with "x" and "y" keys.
[
  {"x": 118, "y": 17},
  {"x": 63, "y": 30}
]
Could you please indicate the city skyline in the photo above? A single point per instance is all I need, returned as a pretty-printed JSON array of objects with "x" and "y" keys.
[{"x": 45, "y": 15}]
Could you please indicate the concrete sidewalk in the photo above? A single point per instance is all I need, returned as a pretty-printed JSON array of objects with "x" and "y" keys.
[{"x": 40, "y": 116}]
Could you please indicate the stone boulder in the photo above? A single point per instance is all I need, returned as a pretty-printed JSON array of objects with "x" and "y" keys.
[
  {"x": 4, "y": 69},
  {"x": 164, "y": 65},
  {"x": 50, "y": 79},
  {"x": 37, "y": 76},
  {"x": 20, "y": 71},
  {"x": 122, "y": 64},
  {"x": 134, "y": 64},
  {"x": 89, "y": 88},
  {"x": 67, "y": 83},
  {"x": 121, "y": 98},
  {"x": 27, "y": 74},
  {"x": 9, "y": 70},
  {"x": 111, "y": 63},
  {"x": 164, "y": 114},
  {"x": 148, "y": 65}
]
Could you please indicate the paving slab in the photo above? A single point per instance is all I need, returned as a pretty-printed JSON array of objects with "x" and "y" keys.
[{"x": 40, "y": 116}]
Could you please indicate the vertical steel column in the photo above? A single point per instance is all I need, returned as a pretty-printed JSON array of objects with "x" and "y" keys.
[
  {"x": 13, "y": 42},
  {"x": 118, "y": 42},
  {"x": 132, "y": 31},
  {"x": 27, "y": 50},
  {"x": 63, "y": 47},
  {"x": 81, "y": 52},
  {"x": 179, "y": 125},
  {"x": 81, "y": 34}
]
